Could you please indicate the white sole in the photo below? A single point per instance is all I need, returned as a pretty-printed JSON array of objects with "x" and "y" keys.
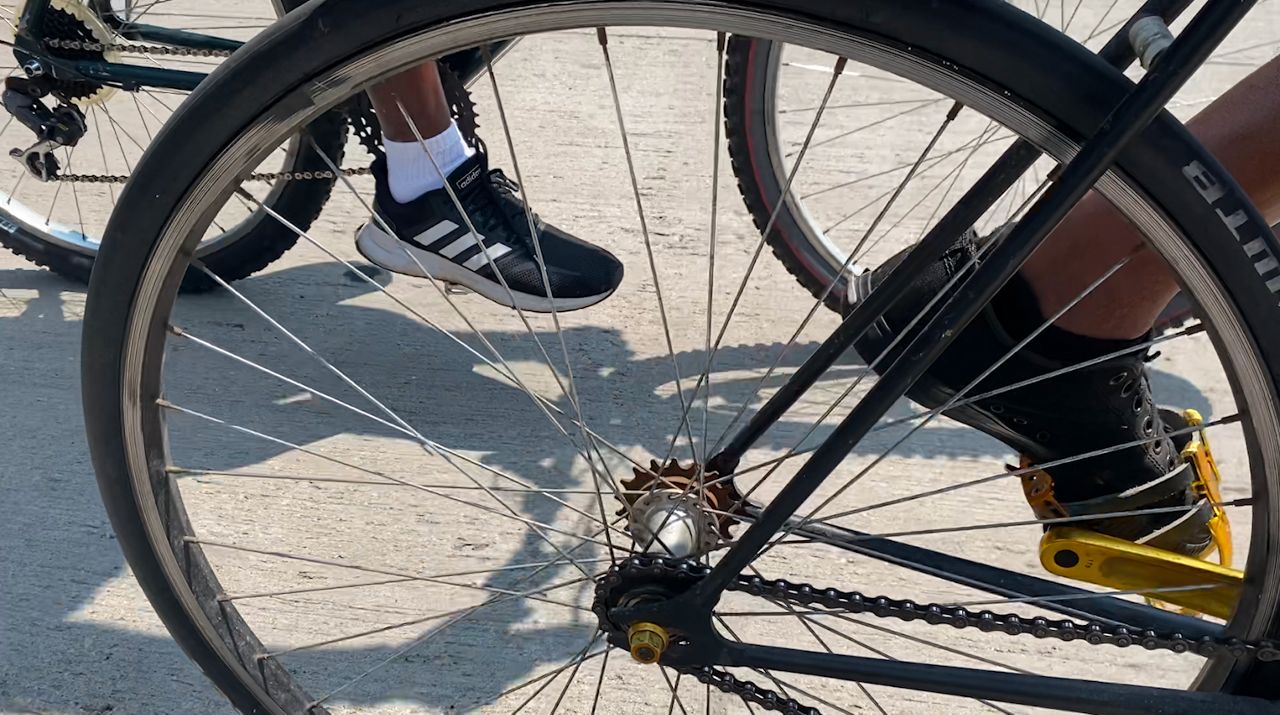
[{"x": 396, "y": 256}]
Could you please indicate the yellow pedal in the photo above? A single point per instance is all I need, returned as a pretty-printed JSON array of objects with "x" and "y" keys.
[
  {"x": 1208, "y": 484},
  {"x": 1192, "y": 585},
  {"x": 1184, "y": 581}
]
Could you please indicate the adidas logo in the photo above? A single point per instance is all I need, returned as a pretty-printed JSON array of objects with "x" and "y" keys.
[{"x": 471, "y": 176}]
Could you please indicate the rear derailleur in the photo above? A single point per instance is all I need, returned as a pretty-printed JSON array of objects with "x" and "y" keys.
[{"x": 61, "y": 126}]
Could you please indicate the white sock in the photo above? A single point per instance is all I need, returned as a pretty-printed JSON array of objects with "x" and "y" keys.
[{"x": 410, "y": 171}]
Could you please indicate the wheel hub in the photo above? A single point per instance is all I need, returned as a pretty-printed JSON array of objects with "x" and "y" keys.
[{"x": 679, "y": 511}]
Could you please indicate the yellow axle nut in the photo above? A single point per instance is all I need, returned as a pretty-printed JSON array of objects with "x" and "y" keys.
[{"x": 647, "y": 641}]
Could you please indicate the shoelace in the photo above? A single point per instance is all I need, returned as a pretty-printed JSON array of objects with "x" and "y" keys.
[{"x": 503, "y": 208}]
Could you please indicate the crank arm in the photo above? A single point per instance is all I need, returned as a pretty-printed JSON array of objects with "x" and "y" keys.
[{"x": 1123, "y": 565}]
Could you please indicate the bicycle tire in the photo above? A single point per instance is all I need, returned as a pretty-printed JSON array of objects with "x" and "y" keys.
[{"x": 1016, "y": 55}]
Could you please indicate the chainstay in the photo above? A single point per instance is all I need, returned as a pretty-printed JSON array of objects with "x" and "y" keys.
[{"x": 958, "y": 617}]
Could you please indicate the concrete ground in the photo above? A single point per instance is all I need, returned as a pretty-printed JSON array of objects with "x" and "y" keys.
[{"x": 76, "y": 633}]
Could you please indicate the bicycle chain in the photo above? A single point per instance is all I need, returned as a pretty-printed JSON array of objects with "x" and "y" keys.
[
  {"x": 261, "y": 176},
  {"x": 83, "y": 46},
  {"x": 183, "y": 52},
  {"x": 957, "y": 617}
]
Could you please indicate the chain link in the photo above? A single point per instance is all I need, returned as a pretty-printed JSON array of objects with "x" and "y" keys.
[
  {"x": 958, "y": 617},
  {"x": 84, "y": 46}
]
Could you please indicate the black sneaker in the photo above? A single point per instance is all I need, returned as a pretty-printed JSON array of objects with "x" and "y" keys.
[
  {"x": 1086, "y": 409},
  {"x": 431, "y": 237}
]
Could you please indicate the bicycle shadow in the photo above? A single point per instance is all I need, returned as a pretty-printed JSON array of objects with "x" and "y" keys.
[{"x": 60, "y": 571}]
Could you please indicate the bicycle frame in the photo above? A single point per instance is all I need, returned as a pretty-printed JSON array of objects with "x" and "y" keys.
[
  {"x": 468, "y": 64},
  {"x": 689, "y": 613}
]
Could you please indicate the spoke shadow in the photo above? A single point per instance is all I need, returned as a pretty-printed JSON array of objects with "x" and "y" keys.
[{"x": 90, "y": 643}]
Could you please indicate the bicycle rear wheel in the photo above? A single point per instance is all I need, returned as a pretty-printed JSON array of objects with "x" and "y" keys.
[{"x": 509, "y": 449}]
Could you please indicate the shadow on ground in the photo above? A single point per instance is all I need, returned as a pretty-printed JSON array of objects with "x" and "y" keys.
[{"x": 56, "y": 548}]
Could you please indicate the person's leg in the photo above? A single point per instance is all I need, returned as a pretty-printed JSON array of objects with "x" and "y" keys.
[
  {"x": 417, "y": 94},
  {"x": 421, "y": 94},
  {"x": 1081, "y": 385},
  {"x": 1240, "y": 127}
]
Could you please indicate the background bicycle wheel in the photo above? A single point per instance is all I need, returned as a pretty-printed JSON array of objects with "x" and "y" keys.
[
  {"x": 84, "y": 639},
  {"x": 58, "y": 224},
  {"x": 829, "y": 210}
]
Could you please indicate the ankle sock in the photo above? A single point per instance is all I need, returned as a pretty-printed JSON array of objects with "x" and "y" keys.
[
  {"x": 410, "y": 171},
  {"x": 1018, "y": 310}
]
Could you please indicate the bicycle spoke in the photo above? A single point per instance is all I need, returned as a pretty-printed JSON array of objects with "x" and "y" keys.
[
  {"x": 572, "y": 392},
  {"x": 531, "y": 595},
  {"x": 1151, "y": 511},
  {"x": 973, "y": 383},
  {"x": 574, "y": 662},
  {"x": 402, "y": 482},
  {"x": 417, "y": 643},
  {"x": 648, "y": 247},
  {"x": 675, "y": 694},
  {"x": 432, "y": 446},
  {"x": 799, "y": 450},
  {"x": 1044, "y": 466},
  {"x": 604, "y": 665},
  {"x": 821, "y": 300},
  {"x": 711, "y": 232},
  {"x": 75, "y": 194},
  {"x": 506, "y": 371},
  {"x": 836, "y": 71},
  {"x": 574, "y": 673},
  {"x": 390, "y": 572},
  {"x": 851, "y": 132}
]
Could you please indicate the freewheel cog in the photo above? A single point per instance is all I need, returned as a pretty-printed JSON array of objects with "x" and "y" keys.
[
  {"x": 70, "y": 21},
  {"x": 708, "y": 490}
]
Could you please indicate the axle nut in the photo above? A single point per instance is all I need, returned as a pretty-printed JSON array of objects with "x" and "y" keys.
[{"x": 647, "y": 642}]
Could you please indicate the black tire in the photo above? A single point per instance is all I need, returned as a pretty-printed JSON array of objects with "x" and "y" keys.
[
  {"x": 256, "y": 244},
  {"x": 1016, "y": 55},
  {"x": 750, "y": 141}
]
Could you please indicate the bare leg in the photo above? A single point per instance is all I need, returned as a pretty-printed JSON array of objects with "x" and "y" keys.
[
  {"x": 1240, "y": 128},
  {"x": 419, "y": 91}
]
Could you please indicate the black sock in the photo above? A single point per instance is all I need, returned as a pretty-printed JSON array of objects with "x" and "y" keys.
[{"x": 1018, "y": 310}]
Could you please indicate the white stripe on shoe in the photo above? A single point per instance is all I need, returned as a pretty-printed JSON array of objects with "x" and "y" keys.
[
  {"x": 436, "y": 232},
  {"x": 496, "y": 251},
  {"x": 465, "y": 241}
]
